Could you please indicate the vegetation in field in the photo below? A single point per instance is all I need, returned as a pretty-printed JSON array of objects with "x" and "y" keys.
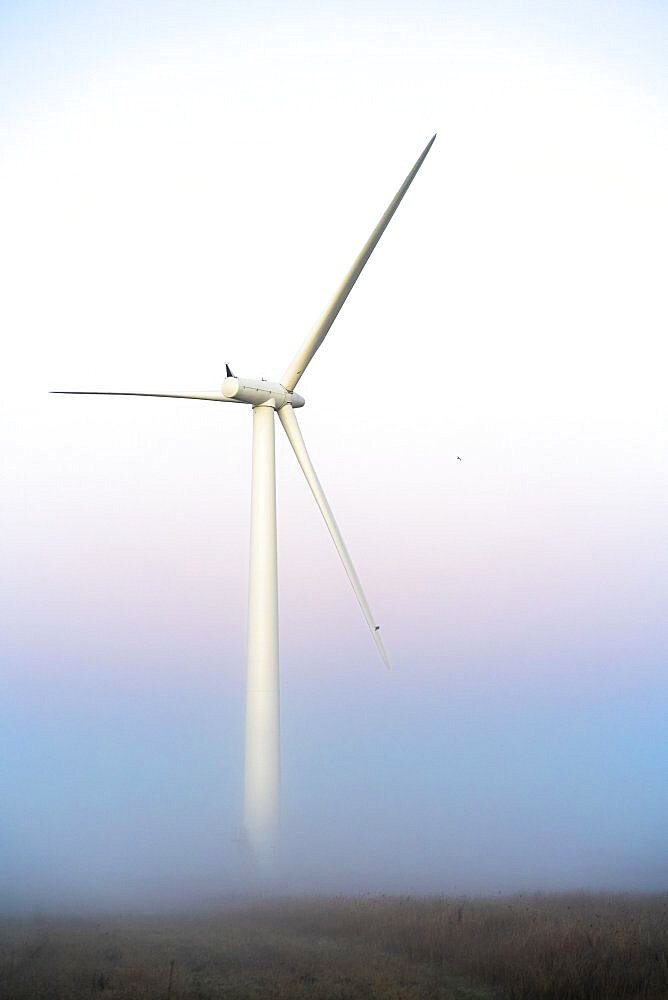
[
  {"x": 567, "y": 947},
  {"x": 576, "y": 947}
]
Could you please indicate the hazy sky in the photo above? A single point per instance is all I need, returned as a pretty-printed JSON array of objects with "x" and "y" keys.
[{"x": 183, "y": 185}]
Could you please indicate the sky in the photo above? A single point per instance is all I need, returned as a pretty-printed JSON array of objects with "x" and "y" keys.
[{"x": 183, "y": 186}]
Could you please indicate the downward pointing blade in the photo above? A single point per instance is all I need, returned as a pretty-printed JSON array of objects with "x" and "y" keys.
[
  {"x": 320, "y": 330},
  {"x": 291, "y": 427}
]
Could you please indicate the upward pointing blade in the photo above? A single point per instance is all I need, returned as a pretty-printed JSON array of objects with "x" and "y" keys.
[
  {"x": 305, "y": 353},
  {"x": 291, "y": 427}
]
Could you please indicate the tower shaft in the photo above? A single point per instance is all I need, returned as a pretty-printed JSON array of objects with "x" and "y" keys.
[{"x": 262, "y": 763}]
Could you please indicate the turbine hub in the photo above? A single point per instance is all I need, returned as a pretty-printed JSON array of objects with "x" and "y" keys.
[{"x": 248, "y": 390}]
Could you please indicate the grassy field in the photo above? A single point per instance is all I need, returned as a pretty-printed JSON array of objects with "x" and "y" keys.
[{"x": 577, "y": 947}]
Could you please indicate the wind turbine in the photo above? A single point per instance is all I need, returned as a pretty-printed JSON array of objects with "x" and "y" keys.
[{"x": 262, "y": 778}]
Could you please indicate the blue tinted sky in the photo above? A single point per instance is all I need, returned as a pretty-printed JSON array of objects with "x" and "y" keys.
[{"x": 184, "y": 185}]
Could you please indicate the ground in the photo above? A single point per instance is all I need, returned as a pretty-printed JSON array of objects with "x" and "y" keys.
[{"x": 576, "y": 947}]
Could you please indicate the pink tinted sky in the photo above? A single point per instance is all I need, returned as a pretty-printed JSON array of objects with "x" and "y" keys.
[{"x": 187, "y": 192}]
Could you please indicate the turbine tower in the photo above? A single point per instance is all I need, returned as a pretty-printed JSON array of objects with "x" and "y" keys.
[{"x": 262, "y": 754}]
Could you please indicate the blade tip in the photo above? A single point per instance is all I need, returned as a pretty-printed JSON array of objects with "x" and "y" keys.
[
  {"x": 380, "y": 646},
  {"x": 425, "y": 151}
]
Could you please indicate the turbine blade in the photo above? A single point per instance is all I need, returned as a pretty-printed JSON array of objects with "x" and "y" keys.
[
  {"x": 215, "y": 397},
  {"x": 291, "y": 427},
  {"x": 305, "y": 354}
]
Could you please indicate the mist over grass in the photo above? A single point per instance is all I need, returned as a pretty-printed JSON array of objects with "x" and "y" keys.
[{"x": 574, "y": 946}]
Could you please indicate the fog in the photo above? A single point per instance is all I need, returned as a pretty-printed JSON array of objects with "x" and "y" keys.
[
  {"x": 185, "y": 186},
  {"x": 129, "y": 795}
]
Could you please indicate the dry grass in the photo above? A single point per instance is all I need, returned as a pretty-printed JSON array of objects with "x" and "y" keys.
[
  {"x": 576, "y": 947},
  {"x": 239, "y": 953},
  {"x": 570, "y": 947}
]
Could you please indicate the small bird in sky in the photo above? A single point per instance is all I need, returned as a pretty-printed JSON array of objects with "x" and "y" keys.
[{"x": 458, "y": 458}]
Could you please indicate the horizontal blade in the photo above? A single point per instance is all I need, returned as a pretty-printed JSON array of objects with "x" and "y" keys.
[
  {"x": 303, "y": 357},
  {"x": 291, "y": 427},
  {"x": 215, "y": 397}
]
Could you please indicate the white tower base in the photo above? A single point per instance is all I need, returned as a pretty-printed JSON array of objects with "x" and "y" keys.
[{"x": 262, "y": 771}]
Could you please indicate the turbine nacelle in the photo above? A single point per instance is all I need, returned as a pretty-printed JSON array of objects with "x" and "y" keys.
[{"x": 248, "y": 390}]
